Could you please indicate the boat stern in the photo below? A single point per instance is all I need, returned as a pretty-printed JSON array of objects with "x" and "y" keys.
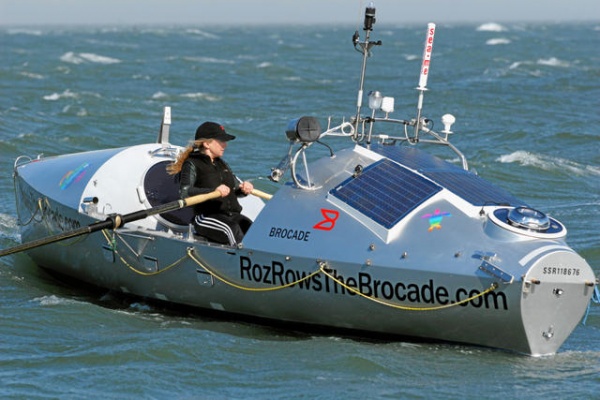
[{"x": 557, "y": 289}]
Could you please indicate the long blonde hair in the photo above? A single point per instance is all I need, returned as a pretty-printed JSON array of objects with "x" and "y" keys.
[{"x": 175, "y": 167}]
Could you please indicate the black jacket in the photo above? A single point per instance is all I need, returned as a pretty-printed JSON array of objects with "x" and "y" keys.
[{"x": 200, "y": 175}]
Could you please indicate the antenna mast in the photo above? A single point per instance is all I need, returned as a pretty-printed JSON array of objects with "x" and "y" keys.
[{"x": 364, "y": 47}]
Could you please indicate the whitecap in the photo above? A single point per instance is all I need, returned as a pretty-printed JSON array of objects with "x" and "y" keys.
[
  {"x": 553, "y": 62},
  {"x": 496, "y": 41},
  {"x": 79, "y": 58},
  {"x": 520, "y": 156},
  {"x": 32, "y": 75},
  {"x": 199, "y": 32},
  {"x": 52, "y": 97},
  {"x": 159, "y": 95},
  {"x": 549, "y": 163},
  {"x": 265, "y": 64},
  {"x": 209, "y": 60},
  {"x": 57, "y": 96},
  {"x": 515, "y": 65},
  {"x": 202, "y": 96},
  {"x": 491, "y": 27},
  {"x": 95, "y": 58},
  {"x": 71, "y": 58}
]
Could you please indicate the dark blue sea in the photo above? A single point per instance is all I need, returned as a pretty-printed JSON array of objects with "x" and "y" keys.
[{"x": 526, "y": 98}]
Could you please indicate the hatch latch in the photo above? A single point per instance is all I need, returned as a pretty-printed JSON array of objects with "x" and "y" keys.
[{"x": 488, "y": 266}]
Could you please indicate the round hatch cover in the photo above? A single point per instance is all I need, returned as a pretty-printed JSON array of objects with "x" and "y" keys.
[{"x": 528, "y": 218}]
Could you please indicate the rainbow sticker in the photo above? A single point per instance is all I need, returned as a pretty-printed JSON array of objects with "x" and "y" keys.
[
  {"x": 73, "y": 176},
  {"x": 435, "y": 219}
]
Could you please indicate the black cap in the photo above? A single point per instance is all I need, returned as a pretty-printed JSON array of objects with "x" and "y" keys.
[{"x": 212, "y": 130}]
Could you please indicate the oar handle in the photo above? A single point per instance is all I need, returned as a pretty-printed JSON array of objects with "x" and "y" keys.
[
  {"x": 120, "y": 220},
  {"x": 261, "y": 194},
  {"x": 200, "y": 198}
]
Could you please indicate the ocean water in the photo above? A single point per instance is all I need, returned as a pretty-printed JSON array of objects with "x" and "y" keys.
[{"x": 527, "y": 102}]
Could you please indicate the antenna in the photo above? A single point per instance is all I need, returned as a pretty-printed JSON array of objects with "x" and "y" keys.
[
  {"x": 364, "y": 47},
  {"x": 424, "y": 75}
]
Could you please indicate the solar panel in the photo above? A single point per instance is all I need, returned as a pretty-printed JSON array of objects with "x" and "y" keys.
[
  {"x": 474, "y": 189},
  {"x": 385, "y": 192},
  {"x": 465, "y": 184},
  {"x": 415, "y": 159}
]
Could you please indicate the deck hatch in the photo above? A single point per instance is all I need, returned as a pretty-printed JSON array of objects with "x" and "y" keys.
[{"x": 385, "y": 192}]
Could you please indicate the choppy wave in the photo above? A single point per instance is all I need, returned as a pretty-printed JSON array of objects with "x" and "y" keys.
[
  {"x": 548, "y": 163},
  {"x": 80, "y": 58}
]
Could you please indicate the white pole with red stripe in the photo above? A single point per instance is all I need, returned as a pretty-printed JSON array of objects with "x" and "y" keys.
[{"x": 425, "y": 65}]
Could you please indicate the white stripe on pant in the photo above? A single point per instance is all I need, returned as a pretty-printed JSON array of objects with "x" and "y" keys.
[{"x": 213, "y": 223}]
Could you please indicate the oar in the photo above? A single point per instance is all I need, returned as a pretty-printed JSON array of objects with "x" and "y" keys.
[{"x": 113, "y": 222}]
